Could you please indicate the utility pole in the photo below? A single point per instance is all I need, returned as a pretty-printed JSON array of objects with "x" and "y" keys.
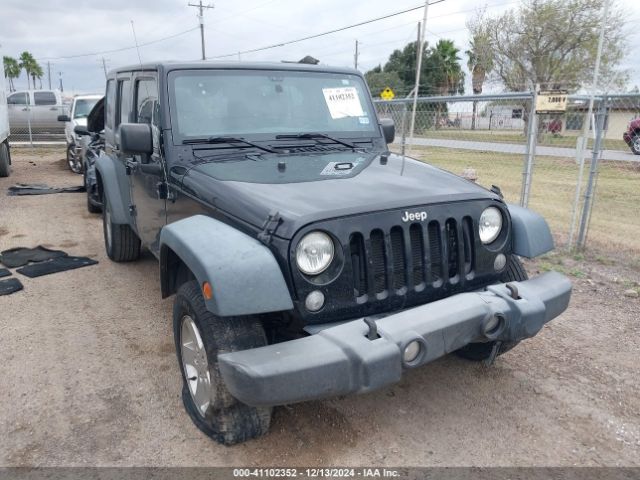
[
  {"x": 60, "y": 75},
  {"x": 104, "y": 67},
  {"x": 418, "y": 69},
  {"x": 49, "y": 74},
  {"x": 355, "y": 57},
  {"x": 582, "y": 140},
  {"x": 201, "y": 18}
]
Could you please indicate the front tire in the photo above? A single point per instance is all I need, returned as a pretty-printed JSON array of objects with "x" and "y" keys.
[
  {"x": 477, "y": 352},
  {"x": 120, "y": 241},
  {"x": 199, "y": 337},
  {"x": 73, "y": 160},
  {"x": 4, "y": 160}
]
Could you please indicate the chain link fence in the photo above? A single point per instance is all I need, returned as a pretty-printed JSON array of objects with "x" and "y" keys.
[
  {"x": 494, "y": 140},
  {"x": 37, "y": 124}
]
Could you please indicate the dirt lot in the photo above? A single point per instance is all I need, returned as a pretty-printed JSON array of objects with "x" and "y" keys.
[{"x": 89, "y": 374}]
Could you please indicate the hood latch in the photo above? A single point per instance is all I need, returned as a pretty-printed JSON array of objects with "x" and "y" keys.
[{"x": 269, "y": 227}]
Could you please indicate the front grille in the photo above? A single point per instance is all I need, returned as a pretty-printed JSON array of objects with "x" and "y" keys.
[{"x": 412, "y": 256}]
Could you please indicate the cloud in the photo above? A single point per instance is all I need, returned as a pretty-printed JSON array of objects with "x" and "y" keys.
[{"x": 55, "y": 29}]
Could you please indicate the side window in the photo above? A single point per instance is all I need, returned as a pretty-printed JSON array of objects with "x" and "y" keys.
[
  {"x": 45, "y": 98},
  {"x": 124, "y": 101},
  {"x": 17, "y": 99},
  {"x": 110, "y": 101},
  {"x": 146, "y": 101}
]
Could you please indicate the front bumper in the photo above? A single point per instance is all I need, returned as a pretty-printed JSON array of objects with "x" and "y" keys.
[{"x": 342, "y": 359}]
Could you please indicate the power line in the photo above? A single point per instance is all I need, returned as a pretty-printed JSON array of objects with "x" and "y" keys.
[
  {"x": 282, "y": 44},
  {"x": 102, "y": 52}
]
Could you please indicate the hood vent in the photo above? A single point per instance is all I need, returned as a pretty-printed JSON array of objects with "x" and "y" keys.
[{"x": 311, "y": 148}]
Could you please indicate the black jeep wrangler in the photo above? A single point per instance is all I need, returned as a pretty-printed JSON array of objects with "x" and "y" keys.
[{"x": 306, "y": 260}]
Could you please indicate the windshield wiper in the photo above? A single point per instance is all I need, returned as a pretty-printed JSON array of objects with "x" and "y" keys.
[
  {"x": 315, "y": 136},
  {"x": 214, "y": 140}
]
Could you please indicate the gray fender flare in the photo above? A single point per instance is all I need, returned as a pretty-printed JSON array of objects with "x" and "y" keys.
[
  {"x": 531, "y": 234},
  {"x": 110, "y": 185},
  {"x": 244, "y": 275}
]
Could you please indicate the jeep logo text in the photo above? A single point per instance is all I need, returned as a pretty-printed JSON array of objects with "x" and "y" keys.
[{"x": 410, "y": 217}]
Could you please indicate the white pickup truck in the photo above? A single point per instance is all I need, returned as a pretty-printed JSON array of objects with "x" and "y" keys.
[{"x": 5, "y": 157}]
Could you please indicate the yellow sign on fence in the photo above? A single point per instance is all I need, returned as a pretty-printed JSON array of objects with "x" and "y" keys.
[
  {"x": 387, "y": 94},
  {"x": 554, "y": 101}
]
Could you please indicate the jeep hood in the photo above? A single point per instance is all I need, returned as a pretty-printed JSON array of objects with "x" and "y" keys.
[{"x": 301, "y": 193}]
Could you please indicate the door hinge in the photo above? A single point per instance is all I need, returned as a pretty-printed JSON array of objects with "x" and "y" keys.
[
  {"x": 132, "y": 210},
  {"x": 269, "y": 227}
]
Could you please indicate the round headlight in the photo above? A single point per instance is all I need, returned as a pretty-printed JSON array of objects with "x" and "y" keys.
[
  {"x": 490, "y": 225},
  {"x": 314, "y": 253}
]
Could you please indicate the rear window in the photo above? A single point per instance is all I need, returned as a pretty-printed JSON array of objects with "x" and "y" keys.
[{"x": 45, "y": 98}]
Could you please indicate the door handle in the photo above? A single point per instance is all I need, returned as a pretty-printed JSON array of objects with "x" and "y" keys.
[{"x": 53, "y": 108}]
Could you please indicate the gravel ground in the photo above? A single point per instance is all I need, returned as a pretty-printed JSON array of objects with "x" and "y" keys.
[{"x": 89, "y": 374}]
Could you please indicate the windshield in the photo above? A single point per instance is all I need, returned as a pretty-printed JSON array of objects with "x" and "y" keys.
[
  {"x": 83, "y": 107},
  {"x": 244, "y": 102}
]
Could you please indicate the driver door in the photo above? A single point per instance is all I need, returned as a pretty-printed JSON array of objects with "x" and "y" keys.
[{"x": 149, "y": 208}]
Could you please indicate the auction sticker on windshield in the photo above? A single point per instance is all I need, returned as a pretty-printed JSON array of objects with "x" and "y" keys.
[{"x": 343, "y": 102}]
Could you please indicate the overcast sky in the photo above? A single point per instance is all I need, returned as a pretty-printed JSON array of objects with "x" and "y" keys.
[{"x": 51, "y": 29}]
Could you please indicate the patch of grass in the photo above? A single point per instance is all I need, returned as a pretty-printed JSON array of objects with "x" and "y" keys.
[
  {"x": 517, "y": 136},
  {"x": 614, "y": 221}
]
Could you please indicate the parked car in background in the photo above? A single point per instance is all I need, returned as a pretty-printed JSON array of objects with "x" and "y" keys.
[
  {"x": 80, "y": 108},
  {"x": 632, "y": 136},
  {"x": 91, "y": 141},
  {"x": 5, "y": 156},
  {"x": 35, "y": 109}
]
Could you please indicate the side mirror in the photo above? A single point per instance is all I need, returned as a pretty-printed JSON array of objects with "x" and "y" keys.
[
  {"x": 64, "y": 118},
  {"x": 388, "y": 129},
  {"x": 78, "y": 129},
  {"x": 136, "y": 139}
]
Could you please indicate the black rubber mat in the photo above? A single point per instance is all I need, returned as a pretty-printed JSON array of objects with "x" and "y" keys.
[
  {"x": 17, "y": 257},
  {"x": 41, "y": 189},
  {"x": 4, "y": 272},
  {"x": 55, "y": 265},
  {"x": 10, "y": 285}
]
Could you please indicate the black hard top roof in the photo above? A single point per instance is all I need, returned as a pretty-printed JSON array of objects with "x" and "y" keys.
[{"x": 211, "y": 65}]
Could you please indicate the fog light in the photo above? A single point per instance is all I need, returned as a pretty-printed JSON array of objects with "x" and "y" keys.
[
  {"x": 314, "y": 301},
  {"x": 411, "y": 351},
  {"x": 500, "y": 262}
]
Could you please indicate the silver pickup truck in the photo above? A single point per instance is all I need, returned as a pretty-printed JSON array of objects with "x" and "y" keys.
[{"x": 35, "y": 109}]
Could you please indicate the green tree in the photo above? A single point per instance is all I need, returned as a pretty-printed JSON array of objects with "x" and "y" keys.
[
  {"x": 444, "y": 71},
  {"x": 553, "y": 43},
  {"x": 37, "y": 72},
  {"x": 11, "y": 70},
  {"x": 30, "y": 66},
  {"x": 441, "y": 71},
  {"x": 479, "y": 60},
  {"x": 379, "y": 80}
]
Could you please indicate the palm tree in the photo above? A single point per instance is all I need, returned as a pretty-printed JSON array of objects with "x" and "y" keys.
[
  {"x": 30, "y": 66},
  {"x": 451, "y": 79},
  {"x": 36, "y": 72},
  {"x": 11, "y": 70},
  {"x": 480, "y": 63}
]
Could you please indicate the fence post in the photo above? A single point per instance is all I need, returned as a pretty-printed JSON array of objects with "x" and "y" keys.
[
  {"x": 29, "y": 125},
  {"x": 404, "y": 127},
  {"x": 593, "y": 171},
  {"x": 530, "y": 151}
]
